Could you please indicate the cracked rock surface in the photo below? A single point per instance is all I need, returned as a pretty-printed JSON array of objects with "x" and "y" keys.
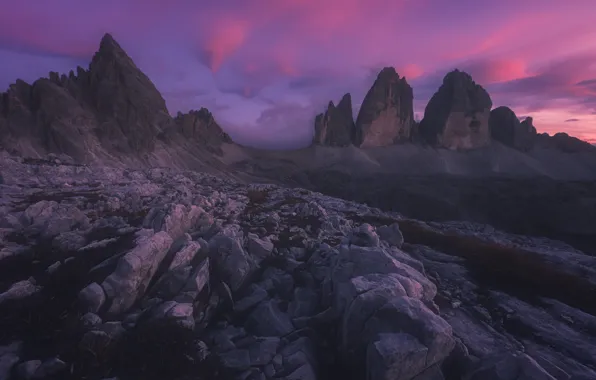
[{"x": 161, "y": 274}]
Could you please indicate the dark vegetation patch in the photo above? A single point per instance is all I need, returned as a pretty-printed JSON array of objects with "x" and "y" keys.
[{"x": 514, "y": 270}]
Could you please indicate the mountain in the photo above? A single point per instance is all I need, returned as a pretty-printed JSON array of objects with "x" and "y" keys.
[
  {"x": 110, "y": 112},
  {"x": 457, "y": 115},
  {"x": 386, "y": 116},
  {"x": 336, "y": 126}
]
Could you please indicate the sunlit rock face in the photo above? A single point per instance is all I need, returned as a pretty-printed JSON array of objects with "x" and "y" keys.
[
  {"x": 387, "y": 114},
  {"x": 457, "y": 116}
]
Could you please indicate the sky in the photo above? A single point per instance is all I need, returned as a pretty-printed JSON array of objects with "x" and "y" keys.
[{"x": 265, "y": 68}]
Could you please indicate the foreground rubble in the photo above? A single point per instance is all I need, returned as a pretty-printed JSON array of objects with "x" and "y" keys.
[{"x": 109, "y": 273}]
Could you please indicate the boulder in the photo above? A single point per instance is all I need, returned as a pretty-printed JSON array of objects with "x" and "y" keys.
[{"x": 134, "y": 271}]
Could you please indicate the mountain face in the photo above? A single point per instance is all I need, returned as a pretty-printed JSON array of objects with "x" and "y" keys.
[
  {"x": 506, "y": 128},
  {"x": 457, "y": 115},
  {"x": 112, "y": 109},
  {"x": 336, "y": 126},
  {"x": 200, "y": 127},
  {"x": 130, "y": 110},
  {"x": 386, "y": 116}
]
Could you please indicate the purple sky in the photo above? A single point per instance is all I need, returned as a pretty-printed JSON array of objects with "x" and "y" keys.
[{"x": 266, "y": 67}]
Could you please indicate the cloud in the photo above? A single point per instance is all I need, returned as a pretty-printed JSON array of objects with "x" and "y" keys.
[
  {"x": 571, "y": 120},
  {"x": 495, "y": 70},
  {"x": 284, "y": 126}
]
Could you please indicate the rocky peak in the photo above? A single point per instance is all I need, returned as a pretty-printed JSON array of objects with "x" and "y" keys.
[
  {"x": 201, "y": 127},
  {"x": 129, "y": 105},
  {"x": 528, "y": 124},
  {"x": 336, "y": 126},
  {"x": 506, "y": 128},
  {"x": 387, "y": 113},
  {"x": 564, "y": 143},
  {"x": 457, "y": 115},
  {"x": 113, "y": 106}
]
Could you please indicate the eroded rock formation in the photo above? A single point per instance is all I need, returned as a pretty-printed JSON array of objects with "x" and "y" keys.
[
  {"x": 506, "y": 128},
  {"x": 386, "y": 116},
  {"x": 336, "y": 126},
  {"x": 457, "y": 115},
  {"x": 200, "y": 126}
]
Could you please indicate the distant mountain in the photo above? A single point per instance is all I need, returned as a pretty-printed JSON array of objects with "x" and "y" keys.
[{"x": 110, "y": 112}]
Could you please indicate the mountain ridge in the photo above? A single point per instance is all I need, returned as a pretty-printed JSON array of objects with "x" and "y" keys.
[{"x": 104, "y": 123}]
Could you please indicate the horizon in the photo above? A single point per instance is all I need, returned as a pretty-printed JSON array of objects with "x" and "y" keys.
[{"x": 253, "y": 68}]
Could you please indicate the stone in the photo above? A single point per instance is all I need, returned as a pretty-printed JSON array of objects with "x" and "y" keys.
[
  {"x": 457, "y": 115},
  {"x": 336, "y": 126},
  {"x": 236, "y": 360},
  {"x": 364, "y": 236},
  {"x": 7, "y": 362},
  {"x": 386, "y": 116},
  {"x": 255, "y": 295},
  {"x": 20, "y": 290},
  {"x": 134, "y": 271},
  {"x": 410, "y": 316},
  {"x": 196, "y": 282},
  {"x": 268, "y": 320},
  {"x": 50, "y": 367},
  {"x": 395, "y": 356},
  {"x": 89, "y": 321},
  {"x": 185, "y": 255},
  {"x": 510, "y": 366},
  {"x": 233, "y": 264},
  {"x": 26, "y": 370},
  {"x": 69, "y": 241},
  {"x": 92, "y": 298},
  {"x": 258, "y": 248},
  {"x": 263, "y": 350},
  {"x": 304, "y": 303},
  {"x": 391, "y": 234}
]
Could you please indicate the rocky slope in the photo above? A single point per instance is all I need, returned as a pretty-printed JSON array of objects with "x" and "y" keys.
[{"x": 157, "y": 273}]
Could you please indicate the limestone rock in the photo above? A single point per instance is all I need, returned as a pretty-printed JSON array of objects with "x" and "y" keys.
[
  {"x": 387, "y": 114},
  {"x": 336, "y": 126},
  {"x": 457, "y": 115},
  {"x": 201, "y": 127},
  {"x": 506, "y": 128},
  {"x": 128, "y": 104}
]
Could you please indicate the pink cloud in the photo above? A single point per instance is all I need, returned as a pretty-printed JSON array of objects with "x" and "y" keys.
[{"x": 227, "y": 36}]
